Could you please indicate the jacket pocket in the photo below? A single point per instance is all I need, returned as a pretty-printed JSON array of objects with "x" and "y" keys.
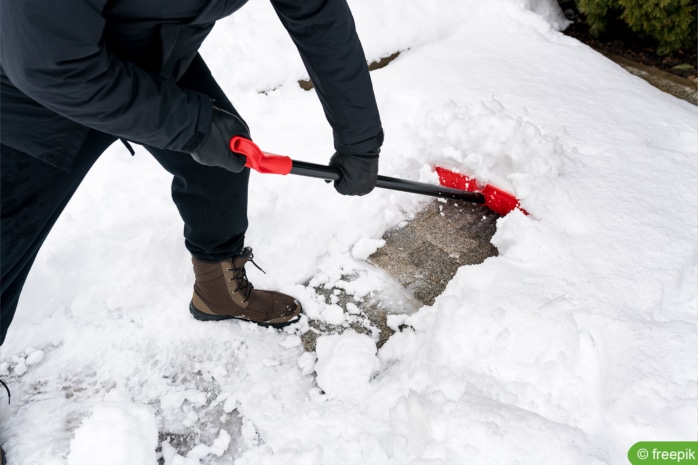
[{"x": 35, "y": 130}]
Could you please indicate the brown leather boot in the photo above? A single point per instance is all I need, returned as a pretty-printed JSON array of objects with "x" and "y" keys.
[{"x": 222, "y": 291}]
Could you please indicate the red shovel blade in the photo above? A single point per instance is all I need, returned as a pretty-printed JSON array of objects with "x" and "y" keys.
[{"x": 497, "y": 200}]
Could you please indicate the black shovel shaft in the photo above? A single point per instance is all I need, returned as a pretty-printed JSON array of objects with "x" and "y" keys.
[{"x": 328, "y": 173}]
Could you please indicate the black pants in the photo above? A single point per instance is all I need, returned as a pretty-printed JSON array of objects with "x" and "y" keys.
[{"x": 211, "y": 201}]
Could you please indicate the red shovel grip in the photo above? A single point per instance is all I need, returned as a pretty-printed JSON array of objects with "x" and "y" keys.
[{"x": 258, "y": 160}]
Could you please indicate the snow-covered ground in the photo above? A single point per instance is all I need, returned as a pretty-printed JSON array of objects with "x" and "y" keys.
[{"x": 574, "y": 343}]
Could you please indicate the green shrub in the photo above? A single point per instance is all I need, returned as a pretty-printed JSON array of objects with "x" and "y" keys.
[{"x": 672, "y": 23}]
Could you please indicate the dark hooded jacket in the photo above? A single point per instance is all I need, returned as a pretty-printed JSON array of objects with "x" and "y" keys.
[{"x": 112, "y": 65}]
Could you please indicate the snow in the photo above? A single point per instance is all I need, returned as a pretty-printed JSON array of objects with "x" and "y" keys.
[
  {"x": 578, "y": 340},
  {"x": 122, "y": 432},
  {"x": 345, "y": 365}
]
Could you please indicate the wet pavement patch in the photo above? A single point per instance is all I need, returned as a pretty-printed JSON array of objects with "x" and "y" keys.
[
  {"x": 419, "y": 260},
  {"x": 425, "y": 254}
]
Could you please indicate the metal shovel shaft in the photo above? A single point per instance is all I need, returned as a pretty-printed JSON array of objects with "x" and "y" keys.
[
  {"x": 265, "y": 162},
  {"x": 328, "y": 173}
]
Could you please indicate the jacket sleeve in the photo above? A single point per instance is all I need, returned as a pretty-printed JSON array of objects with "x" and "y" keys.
[
  {"x": 325, "y": 35},
  {"x": 54, "y": 53}
]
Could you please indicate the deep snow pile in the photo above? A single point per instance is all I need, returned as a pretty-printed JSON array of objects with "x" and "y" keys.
[{"x": 577, "y": 341}]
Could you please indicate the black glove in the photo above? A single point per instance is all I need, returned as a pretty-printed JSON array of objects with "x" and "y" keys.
[
  {"x": 359, "y": 172},
  {"x": 216, "y": 150}
]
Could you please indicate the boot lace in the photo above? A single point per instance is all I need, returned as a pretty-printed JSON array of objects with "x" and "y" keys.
[{"x": 240, "y": 277}]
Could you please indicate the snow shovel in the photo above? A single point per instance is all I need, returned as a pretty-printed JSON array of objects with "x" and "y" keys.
[{"x": 453, "y": 185}]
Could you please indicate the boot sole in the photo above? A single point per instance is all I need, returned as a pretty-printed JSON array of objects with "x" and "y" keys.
[{"x": 201, "y": 316}]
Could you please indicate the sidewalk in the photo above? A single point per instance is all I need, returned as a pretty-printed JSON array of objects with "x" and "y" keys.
[{"x": 424, "y": 255}]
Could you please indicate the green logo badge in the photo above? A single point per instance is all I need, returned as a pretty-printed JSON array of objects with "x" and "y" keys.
[{"x": 664, "y": 453}]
